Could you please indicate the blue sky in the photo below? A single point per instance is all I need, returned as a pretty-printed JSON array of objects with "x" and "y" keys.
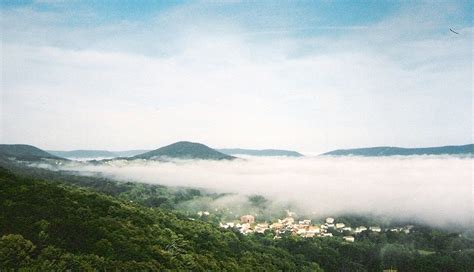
[
  {"x": 333, "y": 12},
  {"x": 305, "y": 75}
]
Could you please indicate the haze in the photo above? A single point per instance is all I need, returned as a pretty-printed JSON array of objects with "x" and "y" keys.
[{"x": 428, "y": 189}]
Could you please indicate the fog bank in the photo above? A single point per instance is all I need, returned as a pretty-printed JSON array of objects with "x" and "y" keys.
[{"x": 430, "y": 189}]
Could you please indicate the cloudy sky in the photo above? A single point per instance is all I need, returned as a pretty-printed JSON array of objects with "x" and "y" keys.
[{"x": 310, "y": 76}]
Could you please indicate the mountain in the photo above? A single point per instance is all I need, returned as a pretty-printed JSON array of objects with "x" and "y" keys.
[
  {"x": 25, "y": 152},
  {"x": 398, "y": 151},
  {"x": 96, "y": 153},
  {"x": 130, "y": 153},
  {"x": 83, "y": 153},
  {"x": 263, "y": 152},
  {"x": 185, "y": 150}
]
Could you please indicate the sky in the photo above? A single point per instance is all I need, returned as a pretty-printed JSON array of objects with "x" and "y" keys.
[{"x": 311, "y": 76}]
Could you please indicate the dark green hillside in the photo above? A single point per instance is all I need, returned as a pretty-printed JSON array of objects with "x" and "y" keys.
[
  {"x": 83, "y": 153},
  {"x": 185, "y": 150},
  {"x": 45, "y": 226},
  {"x": 263, "y": 152},
  {"x": 96, "y": 153},
  {"x": 398, "y": 151},
  {"x": 24, "y": 152},
  {"x": 130, "y": 153}
]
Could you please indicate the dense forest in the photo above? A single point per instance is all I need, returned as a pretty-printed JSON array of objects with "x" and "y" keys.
[{"x": 61, "y": 221}]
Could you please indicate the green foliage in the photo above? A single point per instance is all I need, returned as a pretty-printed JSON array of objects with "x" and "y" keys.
[
  {"x": 25, "y": 152},
  {"x": 52, "y": 224},
  {"x": 15, "y": 251},
  {"x": 185, "y": 150},
  {"x": 49, "y": 226}
]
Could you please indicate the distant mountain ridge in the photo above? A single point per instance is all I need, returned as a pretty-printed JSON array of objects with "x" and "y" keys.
[
  {"x": 184, "y": 150},
  {"x": 399, "y": 151},
  {"x": 96, "y": 153},
  {"x": 25, "y": 152},
  {"x": 262, "y": 152}
]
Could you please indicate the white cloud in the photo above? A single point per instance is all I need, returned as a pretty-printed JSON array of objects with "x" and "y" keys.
[
  {"x": 78, "y": 87},
  {"x": 430, "y": 189}
]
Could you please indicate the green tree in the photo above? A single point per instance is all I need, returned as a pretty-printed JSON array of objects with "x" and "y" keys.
[{"x": 15, "y": 251}]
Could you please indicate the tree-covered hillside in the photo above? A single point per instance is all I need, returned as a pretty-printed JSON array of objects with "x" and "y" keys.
[
  {"x": 185, "y": 150},
  {"x": 24, "y": 152},
  {"x": 47, "y": 226},
  {"x": 96, "y": 153},
  {"x": 398, "y": 151},
  {"x": 55, "y": 221}
]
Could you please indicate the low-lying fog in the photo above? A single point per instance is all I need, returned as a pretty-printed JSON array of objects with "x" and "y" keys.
[{"x": 431, "y": 189}]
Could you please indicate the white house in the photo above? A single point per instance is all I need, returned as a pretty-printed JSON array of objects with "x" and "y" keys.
[
  {"x": 313, "y": 230},
  {"x": 360, "y": 229},
  {"x": 349, "y": 238},
  {"x": 306, "y": 222},
  {"x": 375, "y": 229},
  {"x": 340, "y": 225},
  {"x": 247, "y": 219},
  {"x": 330, "y": 220}
]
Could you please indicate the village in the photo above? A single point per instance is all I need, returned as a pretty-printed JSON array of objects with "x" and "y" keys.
[{"x": 304, "y": 228}]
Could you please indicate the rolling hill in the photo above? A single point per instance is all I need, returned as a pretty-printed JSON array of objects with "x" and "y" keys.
[
  {"x": 398, "y": 151},
  {"x": 96, "y": 153},
  {"x": 46, "y": 226},
  {"x": 262, "y": 153},
  {"x": 25, "y": 152},
  {"x": 184, "y": 150}
]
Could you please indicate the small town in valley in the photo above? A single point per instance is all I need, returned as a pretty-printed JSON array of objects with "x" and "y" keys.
[{"x": 303, "y": 227}]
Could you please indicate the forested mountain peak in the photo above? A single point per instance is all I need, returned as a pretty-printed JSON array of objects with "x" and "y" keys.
[
  {"x": 399, "y": 151},
  {"x": 185, "y": 150},
  {"x": 25, "y": 152}
]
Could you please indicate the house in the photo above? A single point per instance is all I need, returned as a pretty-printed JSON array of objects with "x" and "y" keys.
[
  {"x": 347, "y": 229},
  {"x": 201, "y": 213},
  {"x": 349, "y": 238},
  {"x": 313, "y": 230},
  {"x": 261, "y": 228},
  {"x": 375, "y": 229},
  {"x": 340, "y": 225},
  {"x": 287, "y": 221},
  {"x": 245, "y": 228},
  {"x": 330, "y": 220},
  {"x": 407, "y": 229},
  {"x": 300, "y": 231},
  {"x": 306, "y": 222},
  {"x": 247, "y": 219},
  {"x": 276, "y": 226},
  {"x": 246, "y": 231},
  {"x": 360, "y": 229}
]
